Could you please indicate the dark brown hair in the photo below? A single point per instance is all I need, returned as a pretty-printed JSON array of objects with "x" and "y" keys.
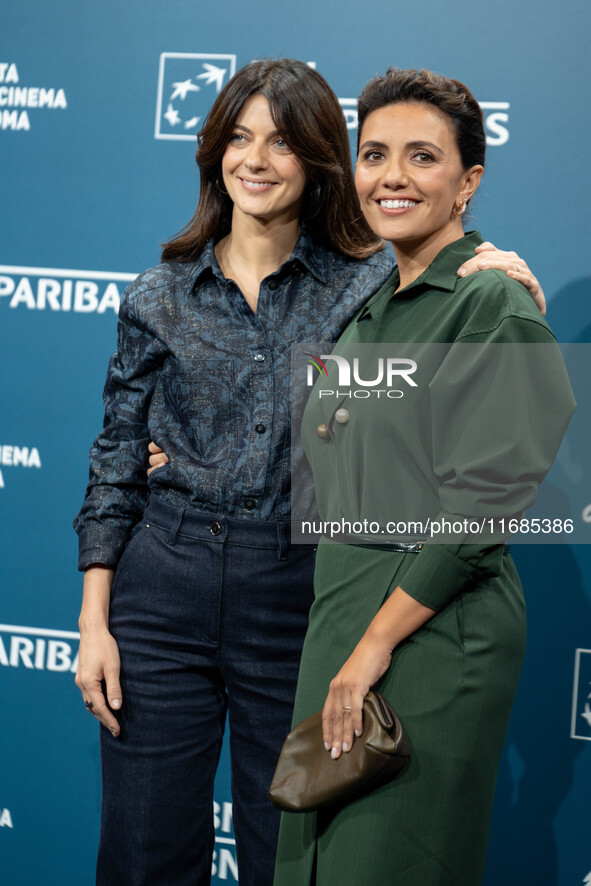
[
  {"x": 308, "y": 116},
  {"x": 451, "y": 97}
]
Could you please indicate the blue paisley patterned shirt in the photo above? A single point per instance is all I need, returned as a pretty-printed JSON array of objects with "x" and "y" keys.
[{"x": 208, "y": 379}]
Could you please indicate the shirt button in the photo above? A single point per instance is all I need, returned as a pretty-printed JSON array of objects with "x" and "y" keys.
[
  {"x": 249, "y": 504},
  {"x": 260, "y": 429},
  {"x": 272, "y": 284},
  {"x": 322, "y": 431},
  {"x": 215, "y": 528},
  {"x": 342, "y": 416},
  {"x": 259, "y": 358}
]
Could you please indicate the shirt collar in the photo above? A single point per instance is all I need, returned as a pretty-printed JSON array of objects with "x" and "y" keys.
[
  {"x": 207, "y": 263},
  {"x": 306, "y": 251},
  {"x": 311, "y": 255},
  {"x": 441, "y": 274}
]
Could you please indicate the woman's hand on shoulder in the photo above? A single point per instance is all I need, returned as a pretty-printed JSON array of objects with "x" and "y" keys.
[
  {"x": 342, "y": 718},
  {"x": 98, "y": 658},
  {"x": 488, "y": 256},
  {"x": 157, "y": 458}
]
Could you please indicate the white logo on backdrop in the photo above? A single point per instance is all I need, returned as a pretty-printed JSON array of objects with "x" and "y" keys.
[
  {"x": 188, "y": 83},
  {"x": 349, "y": 106},
  {"x": 17, "y": 100},
  {"x": 581, "y": 709},
  {"x": 224, "y": 865},
  {"x": 57, "y": 289},
  {"x": 496, "y": 119},
  {"x": 18, "y": 456},
  {"x": 39, "y": 649},
  {"x": 587, "y": 878},
  {"x": 5, "y": 818}
]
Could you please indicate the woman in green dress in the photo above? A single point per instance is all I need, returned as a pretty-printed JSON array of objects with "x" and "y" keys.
[{"x": 438, "y": 628}]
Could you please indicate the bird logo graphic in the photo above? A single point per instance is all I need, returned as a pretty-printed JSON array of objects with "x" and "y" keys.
[{"x": 188, "y": 84}]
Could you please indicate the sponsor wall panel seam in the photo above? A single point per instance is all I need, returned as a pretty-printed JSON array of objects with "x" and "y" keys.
[
  {"x": 64, "y": 272},
  {"x": 39, "y": 632}
]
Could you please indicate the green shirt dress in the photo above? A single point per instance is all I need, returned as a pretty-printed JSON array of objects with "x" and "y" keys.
[{"x": 460, "y": 449}]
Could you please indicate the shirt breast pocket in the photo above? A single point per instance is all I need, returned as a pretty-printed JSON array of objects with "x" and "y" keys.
[{"x": 200, "y": 393}]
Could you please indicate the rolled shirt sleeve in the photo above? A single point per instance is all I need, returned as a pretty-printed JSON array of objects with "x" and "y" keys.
[{"x": 441, "y": 572}]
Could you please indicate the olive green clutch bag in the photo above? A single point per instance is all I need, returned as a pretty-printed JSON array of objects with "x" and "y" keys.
[{"x": 307, "y": 778}]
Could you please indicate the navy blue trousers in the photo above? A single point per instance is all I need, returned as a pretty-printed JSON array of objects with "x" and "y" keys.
[{"x": 209, "y": 614}]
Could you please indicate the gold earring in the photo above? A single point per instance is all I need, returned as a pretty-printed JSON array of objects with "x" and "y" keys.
[{"x": 461, "y": 210}]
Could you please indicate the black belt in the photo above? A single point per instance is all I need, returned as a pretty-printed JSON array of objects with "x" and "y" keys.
[{"x": 395, "y": 546}]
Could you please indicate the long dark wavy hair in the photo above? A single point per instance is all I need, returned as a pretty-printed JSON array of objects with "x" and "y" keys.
[{"x": 308, "y": 116}]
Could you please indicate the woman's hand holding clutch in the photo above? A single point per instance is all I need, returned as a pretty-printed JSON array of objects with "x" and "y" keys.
[
  {"x": 398, "y": 617},
  {"x": 342, "y": 714}
]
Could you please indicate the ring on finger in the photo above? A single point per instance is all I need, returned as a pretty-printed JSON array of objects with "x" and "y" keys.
[
  {"x": 518, "y": 268},
  {"x": 88, "y": 704},
  {"x": 347, "y": 709}
]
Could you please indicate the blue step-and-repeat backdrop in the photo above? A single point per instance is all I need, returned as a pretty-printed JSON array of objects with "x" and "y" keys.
[{"x": 97, "y": 136}]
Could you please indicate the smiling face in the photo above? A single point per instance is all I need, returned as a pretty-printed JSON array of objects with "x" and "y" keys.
[
  {"x": 262, "y": 176},
  {"x": 409, "y": 177}
]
